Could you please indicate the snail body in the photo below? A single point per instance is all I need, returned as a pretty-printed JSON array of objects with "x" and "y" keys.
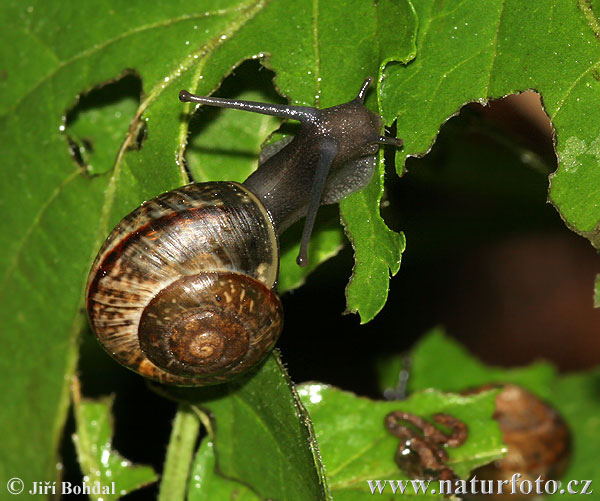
[{"x": 183, "y": 289}]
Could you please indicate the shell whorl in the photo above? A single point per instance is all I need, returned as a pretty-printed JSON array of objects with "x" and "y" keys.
[
  {"x": 210, "y": 325},
  {"x": 195, "y": 241}
]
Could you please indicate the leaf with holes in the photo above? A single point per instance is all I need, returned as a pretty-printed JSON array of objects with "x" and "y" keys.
[
  {"x": 475, "y": 51},
  {"x": 91, "y": 126},
  {"x": 76, "y": 161}
]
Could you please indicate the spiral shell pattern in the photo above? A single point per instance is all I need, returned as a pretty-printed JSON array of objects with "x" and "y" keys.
[{"x": 182, "y": 289}]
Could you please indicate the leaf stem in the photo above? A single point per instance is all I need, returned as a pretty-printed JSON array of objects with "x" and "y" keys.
[{"x": 180, "y": 452}]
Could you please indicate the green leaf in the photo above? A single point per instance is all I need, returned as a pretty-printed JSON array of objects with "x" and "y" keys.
[
  {"x": 104, "y": 468},
  {"x": 429, "y": 368},
  {"x": 475, "y": 51},
  {"x": 356, "y": 447},
  {"x": 206, "y": 483},
  {"x": 262, "y": 435},
  {"x": 377, "y": 252},
  {"x": 574, "y": 395},
  {"x": 377, "y": 249},
  {"x": 184, "y": 434}
]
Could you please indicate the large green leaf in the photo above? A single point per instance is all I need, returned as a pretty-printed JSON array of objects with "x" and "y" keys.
[
  {"x": 475, "y": 51},
  {"x": 60, "y": 207}
]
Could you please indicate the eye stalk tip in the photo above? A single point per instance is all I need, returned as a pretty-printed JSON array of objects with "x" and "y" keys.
[
  {"x": 391, "y": 141},
  {"x": 302, "y": 260},
  {"x": 399, "y": 142},
  {"x": 184, "y": 96}
]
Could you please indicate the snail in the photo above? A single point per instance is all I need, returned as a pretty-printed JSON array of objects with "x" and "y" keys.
[
  {"x": 537, "y": 437},
  {"x": 183, "y": 289}
]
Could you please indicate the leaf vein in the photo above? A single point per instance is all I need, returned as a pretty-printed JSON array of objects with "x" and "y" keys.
[
  {"x": 317, "y": 53},
  {"x": 592, "y": 20},
  {"x": 361, "y": 452},
  {"x": 494, "y": 50},
  {"x": 118, "y": 38},
  {"x": 447, "y": 73},
  {"x": 561, "y": 102},
  {"x": 34, "y": 224}
]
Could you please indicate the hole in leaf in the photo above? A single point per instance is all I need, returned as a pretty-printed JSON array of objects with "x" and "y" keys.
[
  {"x": 97, "y": 125},
  {"x": 141, "y": 133},
  {"x": 237, "y": 135},
  {"x": 477, "y": 186},
  {"x": 523, "y": 120},
  {"x": 76, "y": 151},
  {"x": 486, "y": 256}
]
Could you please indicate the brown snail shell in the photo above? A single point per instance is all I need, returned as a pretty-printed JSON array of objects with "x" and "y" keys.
[
  {"x": 537, "y": 437},
  {"x": 182, "y": 290}
]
